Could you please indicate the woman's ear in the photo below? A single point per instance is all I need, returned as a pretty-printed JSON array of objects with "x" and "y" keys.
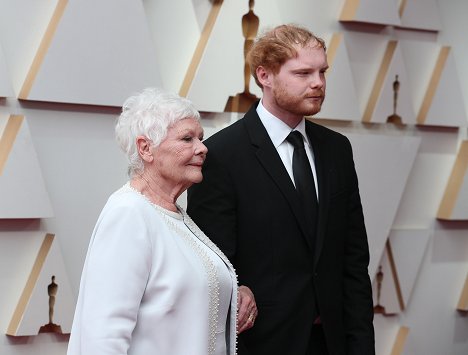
[{"x": 144, "y": 148}]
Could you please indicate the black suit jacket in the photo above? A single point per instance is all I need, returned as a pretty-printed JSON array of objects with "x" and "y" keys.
[{"x": 247, "y": 205}]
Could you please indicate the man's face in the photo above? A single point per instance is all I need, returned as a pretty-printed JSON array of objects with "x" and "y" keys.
[{"x": 299, "y": 86}]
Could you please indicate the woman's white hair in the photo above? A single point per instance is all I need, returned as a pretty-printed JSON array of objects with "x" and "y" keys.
[{"x": 149, "y": 113}]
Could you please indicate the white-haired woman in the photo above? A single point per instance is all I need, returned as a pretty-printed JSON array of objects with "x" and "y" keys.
[{"x": 152, "y": 282}]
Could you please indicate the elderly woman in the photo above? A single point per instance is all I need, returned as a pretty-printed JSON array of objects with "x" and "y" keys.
[{"x": 152, "y": 282}]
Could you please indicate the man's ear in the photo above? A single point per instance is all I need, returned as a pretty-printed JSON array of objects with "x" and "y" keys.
[
  {"x": 263, "y": 76},
  {"x": 144, "y": 148}
]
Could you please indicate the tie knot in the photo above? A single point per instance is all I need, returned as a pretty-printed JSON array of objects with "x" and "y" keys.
[{"x": 295, "y": 138}]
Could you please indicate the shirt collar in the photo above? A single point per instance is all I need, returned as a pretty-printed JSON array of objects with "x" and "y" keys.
[{"x": 277, "y": 129}]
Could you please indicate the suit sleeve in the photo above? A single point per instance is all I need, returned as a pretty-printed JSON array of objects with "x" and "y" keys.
[
  {"x": 212, "y": 203},
  {"x": 113, "y": 283},
  {"x": 358, "y": 303}
]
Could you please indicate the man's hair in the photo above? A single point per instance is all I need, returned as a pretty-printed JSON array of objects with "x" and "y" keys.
[{"x": 273, "y": 48}]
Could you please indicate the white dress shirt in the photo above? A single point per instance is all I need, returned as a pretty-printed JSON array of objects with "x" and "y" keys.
[{"x": 278, "y": 132}]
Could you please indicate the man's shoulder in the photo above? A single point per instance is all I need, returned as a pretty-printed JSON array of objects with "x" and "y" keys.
[
  {"x": 228, "y": 135},
  {"x": 324, "y": 132}
]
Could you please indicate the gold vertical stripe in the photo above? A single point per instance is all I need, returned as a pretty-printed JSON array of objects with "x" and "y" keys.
[
  {"x": 401, "y": 9},
  {"x": 463, "y": 302},
  {"x": 349, "y": 10},
  {"x": 381, "y": 75},
  {"x": 8, "y": 138},
  {"x": 42, "y": 50},
  {"x": 454, "y": 184},
  {"x": 333, "y": 48},
  {"x": 433, "y": 83},
  {"x": 396, "y": 279},
  {"x": 400, "y": 341},
  {"x": 29, "y": 287},
  {"x": 197, "y": 55}
]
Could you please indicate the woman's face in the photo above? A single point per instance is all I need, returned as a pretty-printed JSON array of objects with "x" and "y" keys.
[{"x": 180, "y": 156}]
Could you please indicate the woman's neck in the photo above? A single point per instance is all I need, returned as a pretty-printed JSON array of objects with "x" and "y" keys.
[{"x": 156, "y": 191}]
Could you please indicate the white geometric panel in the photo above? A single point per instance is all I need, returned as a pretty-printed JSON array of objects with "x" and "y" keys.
[
  {"x": 46, "y": 304},
  {"x": 340, "y": 84},
  {"x": 366, "y": 51},
  {"x": 386, "y": 331},
  {"x": 382, "y": 12},
  {"x": 213, "y": 83},
  {"x": 180, "y": 22},
  {"x": 383, "y": 164},
  {"x": 6, "y": 90},
  {"x": 391, "y": 99},
  {"x": 91, "y": 63},
  {"x": 437, "y": 96},
  {"x": 21, "y": 183},
  {"x": 421, "y": 15},
  {"x": 447, "y": 106},
  {"x": 23, "y": 25},
  {"x": 408, "y": 263},
  {"x": 454, "y": 204},
  {"x": 400, "y": 268}
]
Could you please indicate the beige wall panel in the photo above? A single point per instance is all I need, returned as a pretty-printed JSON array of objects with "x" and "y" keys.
[
  {"x": 383, "y": 164},
  {"x": 23, "y": 24},
  {"x": 421, "y": 15},
  {"x": 420, "y": 58},
  {"x": 88, "y": 63},
  {"x": 366, "y": 51},
  {"x": 400, "y": 268},
  {"x": 447, "y": 106},
  {"x": 340, "y": 84},
  {"x": 387, "y": 292},
  {"x": 428, "y": 179},
  {"x": 32, "y": 310},
  {"x": 220, "y": 73},
  {"x": 454, "y": 204},
  {"x": 453, "y": 33},
  {"x": 382, "y": 12},
  {"x": 462, "y": 304},
  {"x": 386, "y": 330},
  {"x": 437, "y": 96},
  {"x": 176, "y": 27},
  {"x": 19, "y": 244},
  {"x": 408, "y": 264},
  {"x": 6, "y": 89},
  {"x": 22, "y": 186},
  {"x": 384, "y": 106}
]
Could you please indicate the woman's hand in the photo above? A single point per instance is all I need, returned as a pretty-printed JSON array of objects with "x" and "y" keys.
[{"x": 246, "y": 309}]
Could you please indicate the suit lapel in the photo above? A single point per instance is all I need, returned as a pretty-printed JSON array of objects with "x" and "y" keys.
[
  {"x": 268, "y": 157},
  {"x": 323, "y": 187}
]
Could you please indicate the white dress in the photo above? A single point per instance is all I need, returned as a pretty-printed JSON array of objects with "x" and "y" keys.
[{"x": 153, "y": 283}]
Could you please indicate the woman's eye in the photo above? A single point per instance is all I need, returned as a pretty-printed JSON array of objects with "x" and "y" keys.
[{"x": 187, "y": 139}]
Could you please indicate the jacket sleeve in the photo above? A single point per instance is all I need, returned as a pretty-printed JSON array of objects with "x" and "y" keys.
[
  {"x": 358, "y": 303},
  {"x": 113, "y": 283}
]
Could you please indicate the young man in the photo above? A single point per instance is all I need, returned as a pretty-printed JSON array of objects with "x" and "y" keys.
[{"x": 301, "y": 248}]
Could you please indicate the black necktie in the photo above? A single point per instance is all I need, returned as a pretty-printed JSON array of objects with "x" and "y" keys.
[{"x": 304, "y": 181}]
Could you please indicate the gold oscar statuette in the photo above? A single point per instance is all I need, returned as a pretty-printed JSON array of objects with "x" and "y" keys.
[
  {"x": 394, "y": 118},
  {"x": 378, "y": 308},
  {"x": 242, "y": 101},
  {"x": 51, "y": 327}
]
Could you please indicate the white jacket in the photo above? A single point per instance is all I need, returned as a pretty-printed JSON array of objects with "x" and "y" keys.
[{"x": 153, "y": 284}]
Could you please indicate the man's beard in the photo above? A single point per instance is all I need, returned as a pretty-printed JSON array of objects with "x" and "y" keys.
[{"x": 299, "y": 105}]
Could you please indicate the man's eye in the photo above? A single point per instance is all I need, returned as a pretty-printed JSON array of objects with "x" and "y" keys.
[{"x": 187, "y": 139}]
